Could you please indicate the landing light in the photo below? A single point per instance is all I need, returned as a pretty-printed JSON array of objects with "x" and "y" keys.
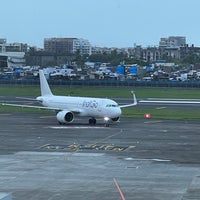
[{"x": 106, "y": 118}]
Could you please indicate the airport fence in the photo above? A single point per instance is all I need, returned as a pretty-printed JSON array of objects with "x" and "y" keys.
[{"x": 104, "y": 83}]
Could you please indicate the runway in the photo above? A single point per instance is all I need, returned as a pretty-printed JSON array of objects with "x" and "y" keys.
[{"x": 150, "y": 159}]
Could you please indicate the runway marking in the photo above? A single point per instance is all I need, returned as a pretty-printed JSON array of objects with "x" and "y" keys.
[
  {"x": 44, "y": 146},
  {"x": 160, "y": 108},
  {"x": 147, "y": 159},
  {"x": 77, "y": 127},
  {"x": 7, "y": 178},
  {"x": 77, "y": 147},
  {"x": 44, "y": 117},
  {"x": 151, "y": 122},
  {"x": 119, "y": 190},
  {"x": 5, "y": 114}
]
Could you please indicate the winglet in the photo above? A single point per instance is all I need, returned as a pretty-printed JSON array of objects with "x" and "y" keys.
[
  {"x": 132, "y": 104},
  {"x": 134, "y": 98},
  {"x": 44, "y": 86}
]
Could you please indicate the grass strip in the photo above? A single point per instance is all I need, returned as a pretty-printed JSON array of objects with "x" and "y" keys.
[{"x": 109, "y": 92}]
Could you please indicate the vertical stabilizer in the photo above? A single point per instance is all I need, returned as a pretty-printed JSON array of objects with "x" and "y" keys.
[{"x": 44, "y": 86}]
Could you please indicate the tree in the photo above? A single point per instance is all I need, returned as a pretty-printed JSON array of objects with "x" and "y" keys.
[
  {"x": 80, "y": 59},
  {"x": 191, "y": 58}
]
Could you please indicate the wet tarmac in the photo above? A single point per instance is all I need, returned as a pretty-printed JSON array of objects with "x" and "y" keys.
[{"x": 150, "y": 159}]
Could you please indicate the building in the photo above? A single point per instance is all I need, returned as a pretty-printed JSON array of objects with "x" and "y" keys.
[
  {"x": 59, "y": 45},
  {"x": 67, "y": 45},
  {"x": 12, "y": 59},
  {"x": 173, "y": 41},
  {"x": 82, "y": 46},
  {"x": 151, "y": 54},
  {"x": 168, "y": 48},
  {"x": 12, "y": 54},
  {"x": 2, "y": 41},
  {"x": 44, "y": 59},
  {"x": 12, "y": 47}
]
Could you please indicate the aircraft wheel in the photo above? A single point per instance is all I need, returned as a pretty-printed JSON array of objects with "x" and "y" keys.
[
  {"x": 107, "y": 125},
  {"x": 92, "y": 121}
]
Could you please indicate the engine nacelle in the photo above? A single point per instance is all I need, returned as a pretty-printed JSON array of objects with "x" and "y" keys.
[
  {"x": 65, "y": 117},
  {"x": 115, "y": 119}
]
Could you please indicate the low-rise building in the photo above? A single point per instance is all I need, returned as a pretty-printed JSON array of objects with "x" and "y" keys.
[{"x": 12, "y": 59}]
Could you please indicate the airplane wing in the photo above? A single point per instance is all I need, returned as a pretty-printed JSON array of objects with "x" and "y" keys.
[
  {"x": 171, "y": 101},
  {"x": 132, "y": 104},
  {"x": 27, "y": 98},
  {"x": 76, "y": 111},
  {"x": 28, "y": 106}
]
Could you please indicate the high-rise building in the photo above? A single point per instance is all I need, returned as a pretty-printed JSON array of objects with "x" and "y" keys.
[
  {"x": 83, "y": 46},
  {"x": 67, "y": 45},
  {"x": 58, "y": 45},
  {"x": 173, "y": 41}
]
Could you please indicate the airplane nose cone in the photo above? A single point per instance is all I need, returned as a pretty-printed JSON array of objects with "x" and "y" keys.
[
  {"x": 113, "y": 112},
  {"x": 119, "y": 111}
]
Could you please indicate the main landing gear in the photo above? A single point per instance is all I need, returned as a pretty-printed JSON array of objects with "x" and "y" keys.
[
  {"x": 92, "y": 121},
  {"x": 107, "y": 124}
]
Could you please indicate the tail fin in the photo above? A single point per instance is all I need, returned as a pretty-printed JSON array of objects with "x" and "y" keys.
[{"x": 44, "y": 86}]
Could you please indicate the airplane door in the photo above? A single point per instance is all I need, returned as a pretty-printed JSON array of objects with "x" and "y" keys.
[{"x": 99, "y": 107}]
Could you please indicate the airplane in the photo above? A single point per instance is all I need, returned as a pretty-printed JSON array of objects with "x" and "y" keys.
[{"x": 69, "y": 107}]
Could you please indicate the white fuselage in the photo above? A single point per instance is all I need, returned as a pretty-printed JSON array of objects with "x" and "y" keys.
[{"x": 83, "y": 106}]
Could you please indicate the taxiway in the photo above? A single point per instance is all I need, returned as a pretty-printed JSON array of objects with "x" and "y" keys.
[{"x": 151, "y": 159}]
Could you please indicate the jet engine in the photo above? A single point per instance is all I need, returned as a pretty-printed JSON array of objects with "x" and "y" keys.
[
  {"x": 65, "y": 117},
  {"x": 115, "y": 119}
]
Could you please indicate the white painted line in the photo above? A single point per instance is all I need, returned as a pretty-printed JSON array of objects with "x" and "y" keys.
[
  {"x": 146, "y": 159},
  {"x": 76, "y": 127},
  {"x": 160, "y": 108},
  {"x": 45, "y": 117},
  {"x": 151, "y": 122}
]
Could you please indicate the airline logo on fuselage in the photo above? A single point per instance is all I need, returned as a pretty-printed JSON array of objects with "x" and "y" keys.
[{"x": 90, "y": 104}]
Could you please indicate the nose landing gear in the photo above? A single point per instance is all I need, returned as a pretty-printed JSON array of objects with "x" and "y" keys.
[
  {"x": 92, "y": 121},
  {"x": 106, "y": 120}
]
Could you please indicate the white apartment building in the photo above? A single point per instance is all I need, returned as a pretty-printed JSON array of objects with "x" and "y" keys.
[{"x": 82, "y": 45}]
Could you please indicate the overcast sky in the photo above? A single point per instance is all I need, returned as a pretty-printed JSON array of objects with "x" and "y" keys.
[{"x": 111, "y": 23}]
